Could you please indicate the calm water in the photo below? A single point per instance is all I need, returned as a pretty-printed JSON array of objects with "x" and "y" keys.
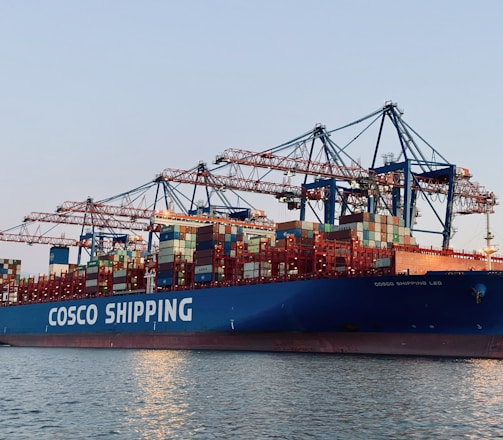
[{"x": 143, "y": 394}]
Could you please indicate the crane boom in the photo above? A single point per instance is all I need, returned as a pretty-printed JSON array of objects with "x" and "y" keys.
[
  {"x": 291, "y": 164},
  {"x": 336, "y": 179},
  {"x": 206, "y": 178},
  {"x": 38, "y": 239},
  {"x": 97, "y": 221},
  {"x": 469, "y": 196},
  {"x": 89, "y": 206}
]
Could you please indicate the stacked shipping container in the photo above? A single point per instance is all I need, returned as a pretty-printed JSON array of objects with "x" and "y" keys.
[
  {"x": 99, "y": 277},
  {"x": 373, "y": 230},
  {"x": 176, "y": 252},
  {"x": 189, "y": 256},
  {"x": 10, "y": 273},
  {"x": 217, "y": 248},
  {"x": 9, "y": 269},
  {"x": 127, "y": 270}
]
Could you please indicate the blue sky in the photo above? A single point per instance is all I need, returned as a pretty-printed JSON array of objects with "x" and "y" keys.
[{"x": 98, "y": 97}]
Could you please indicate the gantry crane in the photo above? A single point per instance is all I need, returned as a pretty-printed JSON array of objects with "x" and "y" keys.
[
  {"x": 98, "y": 214},
  {"x": 392, "y": 188},
  {"x": 202, "y": 176},
  {"x": 329, "y": 175},
  {"x": 37, "y": 239},
  {"x": 98, "y": 222},
  {"x": 96, "y": 240},
  {"x": 29, "y": 238},
  {"x": 107, "y": 216}
]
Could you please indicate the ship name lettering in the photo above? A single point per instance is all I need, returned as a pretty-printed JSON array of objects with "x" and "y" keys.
[
  {"x": 163, "y": 310},
  {"x": 411, "y": 283},
  {"x": 81, "y": 315},
  {"x": 384, "y": 284}
]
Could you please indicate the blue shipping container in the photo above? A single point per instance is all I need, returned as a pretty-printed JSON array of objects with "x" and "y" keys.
[{"x": 59, "y": 255}]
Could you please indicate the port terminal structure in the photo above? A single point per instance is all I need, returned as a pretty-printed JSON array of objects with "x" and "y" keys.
[{"x": 313, "y": 174}]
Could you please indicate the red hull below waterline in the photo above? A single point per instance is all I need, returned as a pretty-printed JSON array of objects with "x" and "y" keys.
[{"x": 480, "y": 346}]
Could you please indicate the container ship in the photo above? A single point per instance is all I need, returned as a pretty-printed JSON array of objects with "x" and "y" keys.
[
  {"x": 361, "y": 284},
  {"x": 308, "y": 287}
]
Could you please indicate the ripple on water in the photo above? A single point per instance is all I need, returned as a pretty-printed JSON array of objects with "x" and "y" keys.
[{"x": 144, "y": 394}]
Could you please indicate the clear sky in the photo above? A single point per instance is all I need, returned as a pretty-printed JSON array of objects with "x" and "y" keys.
[{"x": 97, "y": 97}]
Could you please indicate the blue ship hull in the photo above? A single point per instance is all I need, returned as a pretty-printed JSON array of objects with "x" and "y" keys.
[{"x": 438, "y": 314}]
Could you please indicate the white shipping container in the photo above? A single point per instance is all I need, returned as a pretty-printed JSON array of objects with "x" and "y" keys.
[
  {"x": 208, "y": 268},
  {"x": 171, "y": 252},
  {"x": 257, "y": 269},
  {"x": 247, "y": 274},
  {"x": 166, "y": 259},
  {"x": 92, "y": 269},
  {"x": 254, "y": 241},
  {"x": 120, "y": 273},
  {"x": 250, "y": 266},
  {"x": 308, "y": 226},
  {"x": 57, "y": 269},
  {"x": 281, "y": 268},
  {"x": 348, "y": 226},
  {"x": 173, "y": 245},
  {"x": 383, "y": 262},
  {"x": 165, "y": 250},
  {"x": 254, "y": 249},
  {"x": 165, "y": 244}
]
